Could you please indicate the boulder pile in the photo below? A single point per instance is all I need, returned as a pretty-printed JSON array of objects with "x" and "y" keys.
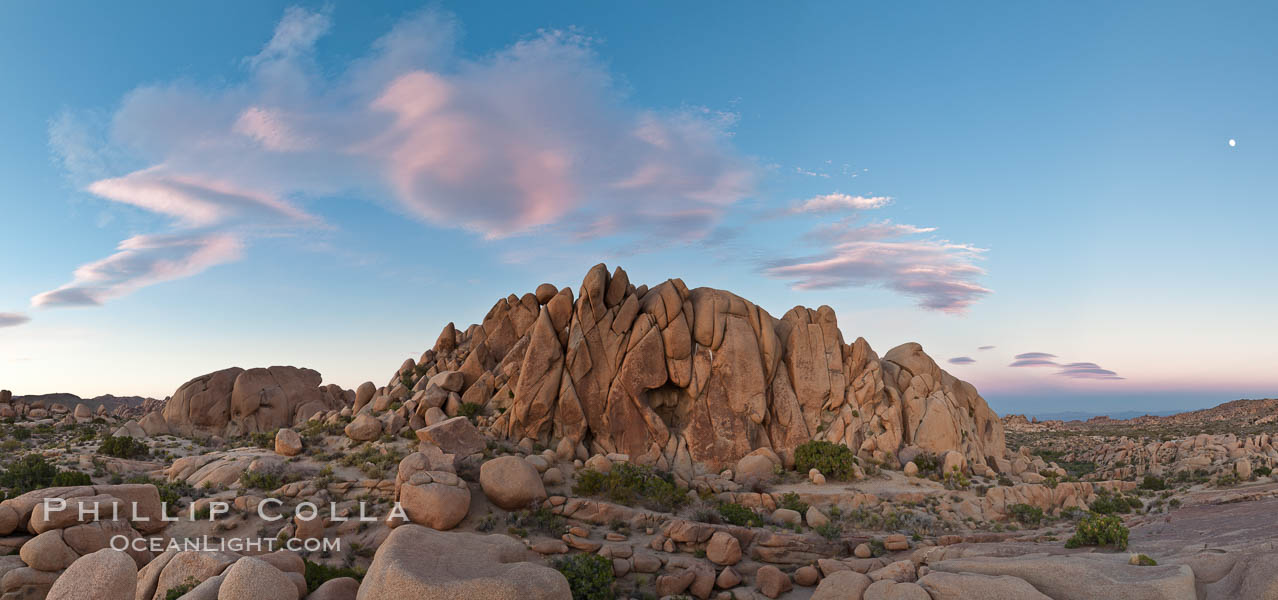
[{"x": 676, "y": 377}]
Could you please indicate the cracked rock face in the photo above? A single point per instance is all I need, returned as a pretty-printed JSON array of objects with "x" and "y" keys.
[{"x": 674, "y": 377}]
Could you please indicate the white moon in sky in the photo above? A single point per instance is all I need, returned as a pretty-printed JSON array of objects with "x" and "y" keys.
[{"x": 1232, "y": 142}]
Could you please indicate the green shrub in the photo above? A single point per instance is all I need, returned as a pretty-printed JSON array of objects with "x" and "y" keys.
[
  {"x": 834, "y": 461},
  {"x": 540, "y": 520},
  {"x": 470, "y": 410},
  {"x": 791, "y": 501},
  {"x": 261, "y": 480},
  {"x": 589, "y": 576},
  {"x": 181, "y": 589},
  {"x": 1107, "y": 503},
  {"x": 122, "y": 447},
  {"x": 631, "y": 484},
  {"x": 33, "y": 472},
  {"x": 1099, "y": 530},
  {"x": 927, "y": 463},
  {"x": 1262, "y": 471},
  {"x": 71, "y": 478},
  {"x": 736, "y": 514},
  {"x": 317, "y": 574},
  {"x": 1144, "y": 560},
  {"x": 830, "y": 530},
  {"x": 1025, "y": 514},
  {"x": 1151, "y": 482},
  {"x": 21, "y": 433}
]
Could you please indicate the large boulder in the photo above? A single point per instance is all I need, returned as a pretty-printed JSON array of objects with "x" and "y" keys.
[
  {"x": 103, "y": 575},
  {"x": 235, "y": 401},
  {"x": 511, "y": 482},
  {"x": 255, "y": 579},
  {"x": 418, "y": 562},
  {"x": 435, "y": 504}
]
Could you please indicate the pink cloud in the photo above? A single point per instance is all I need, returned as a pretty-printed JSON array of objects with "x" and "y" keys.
[
  {"x": 939, "y": 274},
  {"x": 12, "y": 319},
  {"x": 837, "y": 202},
  {"x": 531, "y": 137}
]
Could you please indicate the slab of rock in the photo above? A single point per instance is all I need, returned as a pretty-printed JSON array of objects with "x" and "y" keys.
[
  {"x": 408, "y": 565},
  {"x": 1083, "y": 577},
  {"x": 887, "y": 589},
  {"x": 961, "y": 586},
  {"x": 341, "y": 588},
  {"x": 454, "y": 436}
]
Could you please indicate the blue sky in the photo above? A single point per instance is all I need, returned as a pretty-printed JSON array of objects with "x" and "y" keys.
[{"x": 189, "y": 187}]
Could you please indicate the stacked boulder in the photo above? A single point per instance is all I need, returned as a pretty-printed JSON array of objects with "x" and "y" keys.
[{"x": 690, "y": 380}]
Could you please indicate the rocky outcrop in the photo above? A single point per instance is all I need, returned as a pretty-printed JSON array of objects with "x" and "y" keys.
[
  {"x": 236, "y": 401},
  {"x": 674, "y": 377}
]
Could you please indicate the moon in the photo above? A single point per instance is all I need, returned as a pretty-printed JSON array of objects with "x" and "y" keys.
[{"x": 1232, "y": 142}]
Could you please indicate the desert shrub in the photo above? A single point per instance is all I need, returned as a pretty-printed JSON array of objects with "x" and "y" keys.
[
  {"x": 830, "y": 531},
  {"x": 70, "y": 478},
  {"x": 317, "y": 574},
  {"x": 791, "y": 501},
  {"x": 122, "y": 447},
  {"x": 540, "y": 520},
  {"x": 21, "y": 433},
  {"x": 589, "y": 576},
  {"x": 1026, "y": 514},
  {"x": 928, "y": 464},
  {"x": 181, "y": 589},
  {"x": 1262, "y": 471},
  {"x": 263, "y": 439},
  {"x": 914, "y": 523},
  {"x": 262, "y": 480},
  {"x": 33, "y": 472},
  {"x": 1107, "y": 503},
  {"x": 735, "y": 514},
  {"x": 1144, "y": 560},
  {"x": 835, "y": 461},
  {"x": 1099, "y": 530},
  {"x": 1227, "y": 479},
  {"x": 631, "y": 484},
  {"x": 1151, "y": 482},
  {"x": 470, "y": 410}
]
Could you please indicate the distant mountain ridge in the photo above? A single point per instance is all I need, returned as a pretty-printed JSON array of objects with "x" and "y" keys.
[{"x": 70, "y": 400}]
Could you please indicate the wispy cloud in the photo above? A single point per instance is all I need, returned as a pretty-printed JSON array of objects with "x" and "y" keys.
[
  {"x": 532, "y": 137},
  {"x": 836, "y": 202},
  {"x": 12, "y": 319},
  {"x": 941, "y": 275},
  {"x": 983, "y": 348},
  {"x": 962, "y": 360},
  {"x": 141, "y": 261}
]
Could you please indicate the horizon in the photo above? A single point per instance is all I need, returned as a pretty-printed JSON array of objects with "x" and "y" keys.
[{"x": 326, "y": 185}]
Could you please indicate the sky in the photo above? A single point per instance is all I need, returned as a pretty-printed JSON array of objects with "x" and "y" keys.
[{"x": 1045, "y": 196}]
